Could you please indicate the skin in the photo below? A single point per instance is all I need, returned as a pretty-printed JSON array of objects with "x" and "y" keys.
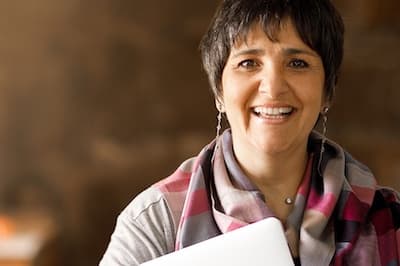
[{"x": 260, "y": 73}]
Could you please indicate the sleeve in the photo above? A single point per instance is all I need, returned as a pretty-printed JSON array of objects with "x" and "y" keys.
[{"x": 144, "y": 230}]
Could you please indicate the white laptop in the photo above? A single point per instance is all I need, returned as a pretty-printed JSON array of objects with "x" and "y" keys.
[{"x": 258, "y": 244}]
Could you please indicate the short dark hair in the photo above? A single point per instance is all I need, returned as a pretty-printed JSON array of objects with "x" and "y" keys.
[{"x": 318, "y": 23}]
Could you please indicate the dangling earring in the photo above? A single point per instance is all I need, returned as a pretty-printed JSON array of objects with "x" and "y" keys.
[
  {"x": 324, "y": 116},
  {"x": 219, "y": 122},
  {"x": 219, "y": 118}
]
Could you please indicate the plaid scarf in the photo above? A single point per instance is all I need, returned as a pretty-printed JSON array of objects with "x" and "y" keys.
[{"x": 339, "y": 218}]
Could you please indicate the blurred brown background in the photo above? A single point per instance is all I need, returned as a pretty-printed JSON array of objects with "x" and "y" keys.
[{"x": 100, "y": 98}]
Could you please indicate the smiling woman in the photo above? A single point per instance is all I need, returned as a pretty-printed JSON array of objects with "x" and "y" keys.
[
  {"x": 272, "y": 94},
  {"x": 273, "y": 67}
]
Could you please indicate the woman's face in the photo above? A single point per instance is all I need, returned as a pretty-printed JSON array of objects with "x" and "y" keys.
[{"x": 272, "y": 92}]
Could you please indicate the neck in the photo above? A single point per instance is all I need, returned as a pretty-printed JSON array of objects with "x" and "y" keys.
[
  {"x": 274, "y": 169},
  {"x": 278, "y": 176}
]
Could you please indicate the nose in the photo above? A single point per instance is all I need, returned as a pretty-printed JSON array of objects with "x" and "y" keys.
[{"x": 272, "y": 81}]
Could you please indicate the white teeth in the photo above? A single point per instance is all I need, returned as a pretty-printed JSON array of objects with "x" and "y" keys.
[{"x": 273, "y": 111}]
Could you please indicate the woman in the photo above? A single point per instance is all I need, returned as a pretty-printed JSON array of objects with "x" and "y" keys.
[{"x": 273, "y": 66}]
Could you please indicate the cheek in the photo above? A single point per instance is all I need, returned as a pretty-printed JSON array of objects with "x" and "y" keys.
[
  {"x": 321, "y": 86},
  {"x": 233, "y": 90},
  {"x": 238, "y": 86},
  {"x": 312, "y": 91},
  {"x": 236, "y": 99},
  {"x": 315, "y": 103}
]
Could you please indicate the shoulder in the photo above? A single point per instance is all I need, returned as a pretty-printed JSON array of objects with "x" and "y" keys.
[
  {"x": 387, "y": 198},
  {"x": 144, "y": 204},
  {"x": 147, "y": 227},
  {"x": 161, "y": 204},
  {"x": 384, "y": 215},
  {"x": 174, "y": 188},
  {"x": 144, "y": 230},
  {"x": 158, "y": 193}
]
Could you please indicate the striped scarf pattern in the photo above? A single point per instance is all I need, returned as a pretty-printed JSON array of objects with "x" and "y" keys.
[{"x": 339, "y": 218}]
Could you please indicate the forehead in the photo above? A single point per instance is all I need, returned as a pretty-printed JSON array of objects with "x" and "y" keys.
[{"x": 283, "y": 34}]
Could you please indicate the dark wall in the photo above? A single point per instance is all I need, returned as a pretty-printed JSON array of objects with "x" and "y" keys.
[{"x": 98, "y": 99}]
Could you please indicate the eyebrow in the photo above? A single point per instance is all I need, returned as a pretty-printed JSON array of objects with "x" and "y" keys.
[
  {"x": 248, "y": 52},
  {"x": 286, "y": 51},
  {"x": 293, "y": 51}
]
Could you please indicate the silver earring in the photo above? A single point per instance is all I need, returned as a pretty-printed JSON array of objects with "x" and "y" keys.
[
  {"x": 324, "y": 116},
  {"x": 219, "y": 122}
]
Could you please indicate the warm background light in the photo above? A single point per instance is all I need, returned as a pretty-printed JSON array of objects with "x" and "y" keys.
[
  {"x": 100, "y": 98},
  {"x": 7, "y": 227}
]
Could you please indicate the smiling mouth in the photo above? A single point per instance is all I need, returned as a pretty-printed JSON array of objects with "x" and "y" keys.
[{"x": 273, "y": 112}]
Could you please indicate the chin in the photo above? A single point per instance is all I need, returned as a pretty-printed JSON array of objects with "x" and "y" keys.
[{"x": 272, "y": 147}]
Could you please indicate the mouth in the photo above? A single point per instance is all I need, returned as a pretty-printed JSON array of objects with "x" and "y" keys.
[{"x": 273, "y": 112}]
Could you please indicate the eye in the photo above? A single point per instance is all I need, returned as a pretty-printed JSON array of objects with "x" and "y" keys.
[
  {"x": 298, "y": 64},
  {"x": 248, "y": 64}
]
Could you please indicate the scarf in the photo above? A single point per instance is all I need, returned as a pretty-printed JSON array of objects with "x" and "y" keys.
[{"x": 339, "y": 217}]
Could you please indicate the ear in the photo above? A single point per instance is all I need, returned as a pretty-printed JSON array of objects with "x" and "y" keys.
[
  {"x": 324, "y": 109},
  {"x": 327, "y": 99},
  {"x": 325, "y": 106}
]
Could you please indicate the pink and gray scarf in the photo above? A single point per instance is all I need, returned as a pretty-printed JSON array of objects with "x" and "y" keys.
[{"x": 339, "y": 218}]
